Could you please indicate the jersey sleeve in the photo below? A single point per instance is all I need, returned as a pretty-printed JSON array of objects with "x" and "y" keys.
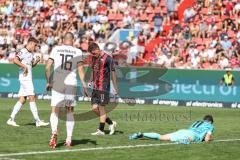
[
  {"x": 20, "y": 55},
  {"x": 192, "y": 125},
  {"x": 210, "y": 130},
  {"x": 52, "y": 54}
]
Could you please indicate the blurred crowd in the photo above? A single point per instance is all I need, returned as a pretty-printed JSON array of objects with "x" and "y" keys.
[{"x": 206, "y": 37}]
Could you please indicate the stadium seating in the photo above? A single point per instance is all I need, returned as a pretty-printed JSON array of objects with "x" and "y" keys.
[{"x": 39, "y": 18}]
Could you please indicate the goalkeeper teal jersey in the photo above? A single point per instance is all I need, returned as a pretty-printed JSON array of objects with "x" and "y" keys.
[{"x": 201, "y": 128}]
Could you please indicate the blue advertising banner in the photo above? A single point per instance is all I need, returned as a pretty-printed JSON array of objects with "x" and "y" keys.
[{"x": 147, "y": 84}]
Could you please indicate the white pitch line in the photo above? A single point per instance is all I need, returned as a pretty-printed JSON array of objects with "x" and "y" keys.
[
  {"x": 101, "y": 148},
  {"x": 10, "y": 159}
]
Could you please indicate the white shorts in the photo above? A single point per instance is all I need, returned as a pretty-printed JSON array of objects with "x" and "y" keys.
[
  {"x": 64, "y": 97},
  {"x": 26, "y": 89}
]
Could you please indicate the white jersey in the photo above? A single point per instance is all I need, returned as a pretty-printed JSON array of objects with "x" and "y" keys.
[
  {"x": 26, "y": 58},
  {"x": 66, "y": 59}
]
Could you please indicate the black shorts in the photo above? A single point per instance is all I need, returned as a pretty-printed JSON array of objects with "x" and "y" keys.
[{"x": 100, "y": 97}]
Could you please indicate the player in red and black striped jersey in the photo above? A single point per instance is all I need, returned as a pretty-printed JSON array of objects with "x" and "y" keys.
[{"x": 102, "y": 72}]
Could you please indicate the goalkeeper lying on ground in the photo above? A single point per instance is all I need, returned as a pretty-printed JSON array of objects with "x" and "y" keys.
[{"x": 199, "y": 131}]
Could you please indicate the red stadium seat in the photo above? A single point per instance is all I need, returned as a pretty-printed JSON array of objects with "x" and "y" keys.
[
  {"x": 198, "y": 40},
  {"x": 164, "y": 10},
  {"x": 232, "y": 17},
  {"x": 217, "y": 18},
  {"x": 219, "y": 25},
  {"x": 231, "y": 33},
  {"x": 120, "y": 24},
  {"x": 119, "y": 17},
  {"x": 200, "y": 47},
  {"x": 150, "y": 17},
  {"x": 149, "y": 9},
  {"x": 151, "y": 24},
  {"x": 204, "y": 11},
  {"x": 223, "y": 17},
  {"x": 111, "y": 16},
  {"x": 206, "y": 41},
  {"x": 143, "y": 17},
  {"x": 162, "y": 3}
]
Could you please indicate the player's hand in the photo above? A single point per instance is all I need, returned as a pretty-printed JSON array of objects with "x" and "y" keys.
[
  {"x": 25, "y": 71},
  {"x": 189, "y": 139},
  {"x": 48, "y": 87},
  {"x": 115, "y": 91},
  {"x": 38, "y": 59},
  {"x": 85, "y": 90}
]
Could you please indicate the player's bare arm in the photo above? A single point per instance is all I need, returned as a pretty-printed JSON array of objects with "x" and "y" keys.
[
  {"x": 18, "y": 63},
  {"x": 114, "y": 81},
  {"x": 81, "y": 74},
  {"x": 48, "y": 74},
  {"x": 35, "y": 62}
]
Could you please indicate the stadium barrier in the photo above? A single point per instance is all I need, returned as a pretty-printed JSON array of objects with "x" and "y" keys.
[{"x": 172, "y": 87}]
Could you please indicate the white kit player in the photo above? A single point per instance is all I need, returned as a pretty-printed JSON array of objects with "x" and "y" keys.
[
  {"x": 25, "y": 60},
  {"x": 66, "y": 60}
]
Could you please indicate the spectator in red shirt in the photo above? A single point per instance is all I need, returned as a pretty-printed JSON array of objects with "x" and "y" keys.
[
  {"x": 229, "y": 8},
  {"x": 234, "y": 62},
  {"x": 141, "y": 44}
]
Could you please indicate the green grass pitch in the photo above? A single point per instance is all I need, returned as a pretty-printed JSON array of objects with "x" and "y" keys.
[{"x": 146, "y": 118}]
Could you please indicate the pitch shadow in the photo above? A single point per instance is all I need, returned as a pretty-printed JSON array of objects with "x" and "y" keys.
[
  {"x": 78, "y": 142},
  {"x": 115, "y": 133}
]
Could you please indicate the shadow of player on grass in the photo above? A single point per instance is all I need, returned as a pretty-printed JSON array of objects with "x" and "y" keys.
[{"x": 78, "y": 142}]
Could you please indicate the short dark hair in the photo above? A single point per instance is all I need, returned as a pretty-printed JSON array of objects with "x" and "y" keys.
[
  {"x": 208, "y": 118},
  {"x": 32, "y": 39},
  {"x": 69, "y": 34},
  {"x": 92, "y": 47}
]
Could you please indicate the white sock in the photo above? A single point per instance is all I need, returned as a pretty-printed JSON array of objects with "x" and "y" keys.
[
  {"x": 16, "y": 109},
  {"x": 54, "y": 122},
  {"x": 69, "y": 126},
  {"x": 33, "y": 108}
]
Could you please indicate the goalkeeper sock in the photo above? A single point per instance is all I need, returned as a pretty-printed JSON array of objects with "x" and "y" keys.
[
  {"x": 54, "y": 122},
  {"x": 109, "y": 121},
  {"x": 69, "y": 126},
  {"x": 152, "y": 135},
  {"x": 33, "y": 108},
  {"x": 16, "y": 109}
]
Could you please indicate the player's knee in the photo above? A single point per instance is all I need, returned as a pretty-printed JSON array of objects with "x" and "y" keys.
[
  {"x": 22, "y": 100},
  {"x": 102, "y": 109},
  {"x": 95, "y": 108},
  {"x": 55, "y": 110},
  {"x": 69, "y": 109},
  {"x": 32, "y": 98}
]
